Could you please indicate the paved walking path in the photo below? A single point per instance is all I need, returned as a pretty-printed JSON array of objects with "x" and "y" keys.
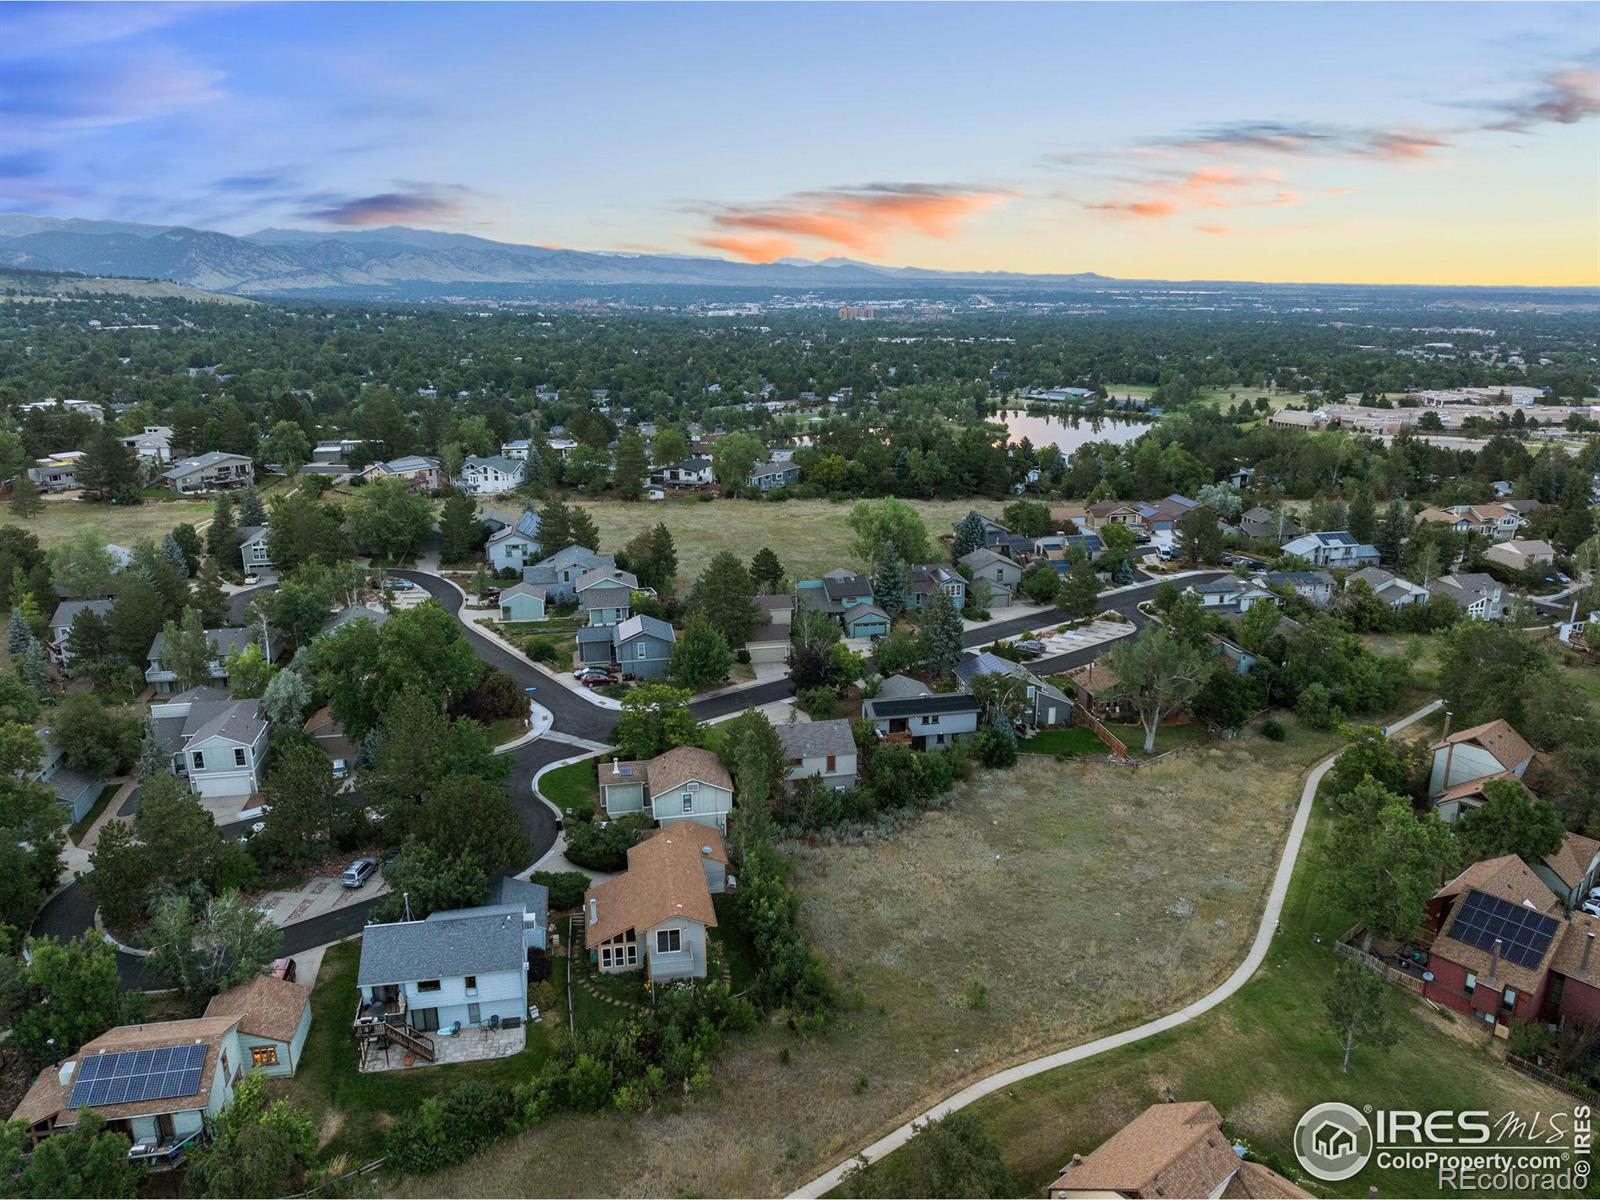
[{"x": 1061, "y": 1058}]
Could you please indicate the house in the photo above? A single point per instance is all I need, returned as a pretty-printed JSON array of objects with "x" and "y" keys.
[
  {"x": 56, "y": 472},
  {"x": 684, "y": 784},
  {"x": 1070, "y": 516},
  {"x": 1337, "y": 548},
  {"x": 463, "y": 968},
  {"x": 152, "y": 445},
  {"x": 1163, "y": 516},
  {"x": 1465, "y": 761},
  {"x": 1480, "y": 596},
  {"x": 1263, "y": 525},
  {"x": 825, "y": 750},
  {"x": 1095, "y": 690},
  {"x": 255, "y": 550},
  {"x": 769, "y": 476},
  {"x": 491, "y": 475},
  {"x": 1170, "y": 1150},
  {"x": 994, "y": 533},
  {"x": 769, "y": 642},
  {"x": 1112, "y": 512},
  {"x": 1388, "y": 587},
  {"x": 1520, "y": 554},
  {"x": 642, "y": 646},
  {"x": 523, "y": 602},
  {"x": 654, "y": 916},
  {"x": 1044, "y": 706},
  {"x": 1232, "y": 593},
  {"x": 865, "y": 621},
  {"x": 223, "y": 642},
  {"x": 559, "y": 572},
  {"x": 1499, "y": 522},
  {"x": 76, "y": 791},
  {"x": 274, "y": 1018},
  {"x": 513, "y": 547},
  {"x": 691, "y": 472},
  {"x": 61, "y": 625},
  {"x": 1002, "y": 575},
  {"x": 1570, "y": 871},
  {"x": 1315, "y": 586},
  {"x": 420, "y": 473},
  {"x": 211, "y": 472},
  {"x": 332, "y": 740},
  {"x": 1059, "y": 547},
  {"x": 183, "y": 1073},
  {"x": 336, "y": 450},
  {"x": 928, "y": 719},
  {"x": 217, "y": 744},
  {"x": 519, "y": 448},
  {"x": 354, "y": 612},
  {"x": 929, "y": 578},
  {"x": 605, "y": 594}
]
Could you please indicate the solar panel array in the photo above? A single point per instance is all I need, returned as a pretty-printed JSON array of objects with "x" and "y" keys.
[
  {"x": 128, "y": 1076},
  {"x": 1523, "y": 933}
]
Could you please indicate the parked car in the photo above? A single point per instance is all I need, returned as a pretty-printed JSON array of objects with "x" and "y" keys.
[
  {"x": 358, "y": 872},
  {"x": 1029, "y": 646},
  {"x": 1591, "y": 907},
  {"x": 251, "y": 580},
  {"x": 595, "y": 681},
  {"x": 398, "y": 585},
  {"x": 584, "y": 674}
]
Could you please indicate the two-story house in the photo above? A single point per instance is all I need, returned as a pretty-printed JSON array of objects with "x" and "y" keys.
[
  {"x": 640, "y": 646},
  {"x": 1313, "y": 586},
  {"x": 654, "y": 916},
  {"x": 1231, "y": 594},
  {"x": 219, "y": 745},
  {"x": 491, "y": 475},
  {"x": 61, "y": 626},
  {"x": 255, "y": 549},
  {"x": 56, "y": 472},
  {"x": 1002, "y": 575},
  {"x": 515, "y": 546},
  {"x": 153, "y": 444},
  {"x": 1263, "y": 525},
  {"x": 605, "y": 595},
  {"x": 459, "y": 969},
  {"x": 419, "y": 472},
  {"x": 1388, "y": 587},
  {"x": 214, "y": 471},
  {"x": 929, "y": 578},
  {"x": 684, "y": 784},
  {"x": 1480, "y": 596},
  {"x": 560, "y": 572},
  {"x": 825, "y": 750},
  {"x": 1463, "y": 762},
  {"x": 769, "y": 476},
  {"x": 690, "y": 472},
  {"x": 906, "y": 707},
  {"x": 1332, "y": 548},
  {"x": 223, "y": 643},
  {"x": 1112, "y": 512},
  {"x": 1043, "y": 705}
]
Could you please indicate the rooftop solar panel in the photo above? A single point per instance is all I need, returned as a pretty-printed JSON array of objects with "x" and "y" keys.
[
  {"x": 1524, "y": 935},
  {"x": 130, "y": 1076}
]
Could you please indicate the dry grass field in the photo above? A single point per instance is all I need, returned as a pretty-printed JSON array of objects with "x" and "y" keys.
[
  {"x": 953, "y": 962},
  {"x": 60, "y": 519}
]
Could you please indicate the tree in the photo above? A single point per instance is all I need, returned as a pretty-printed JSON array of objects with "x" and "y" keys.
[
  {"x": 81, "y": 565},
  {"x": 754, "y": 755},
  {"x": 970, "y": 535},
  {"x": 726, "y": 595},
  {"x": 296, "y": 611},
  {"x": 628, "y": 478},
  {"x": 1362, "y": 518},
  {"x": 655, "y": 718},
  {"x": 1257, "y": 625},
  {"x": 287, "y": 446},
  {"x": 249, "y": 672},
  {"x": 286, "y": 698},
  {"x": 1041, "y": 582},
  {"x": 94, "y": 739},
  {"x": 256, "y": 1148},
  {"x": 86, "y": 1160},
  {"x": 1157, "y": 673},
  {"x": 121, "y": 876},
  {"x": 1080, "y": 592},
  {"x": 222, "y": 535},
  {"x": 209, "y": 599},
  {"x": 1491, "y": 670},
  {"x": 109, "y": 471},
  {"x": 303, "y": 529},
  {"x": 1388, "y": 865},
  {"x": 251, "y": 510},
  {"x": 890, "y": 580},
  {"x": 74, "y": 996},
  {"x": 941, "y": 633},
  {"x": 1199, "y": 536},
  {"x": 669, "y": 446},
  {"x": 226, "y": 945},
  {"x": 25, "y": 502},
  {"x": 187, "y": 651},
  {"x": 1511, "y": 820},
  {"x": 733, "y": 457},
  {"x": 768, "y": 572},
  {"x": 892, "y": 521},
  {"x": 555, "y": 527},
  {"x": 430, "y": 881},
  {"x": 1027, "y": 518},
  {"x": 701, "y": 656},
  {"x": 1360, "y": 1010},
  {"x": 460, "y": 532},
  {"x": 952, "y": 1156},
  {"x": 183, "y": 843},
  {"x": 391, "y": 519}
]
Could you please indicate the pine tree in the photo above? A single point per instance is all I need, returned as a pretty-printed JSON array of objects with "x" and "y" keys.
[
  {"x": 208, "y": 599},
  {"x": 251, "y": 510},
  {"x": 1392, "y": 536},
  {"x": 969, "y": 536},
  {"x": 35, "y": 669},
  {"x": 1362, "y": 517},
  {"x": 664, "y": 556},
  {"x": 173, "y": 553},
  {"x": 555, "y": 527},
  {"x": 767, "y": 571},
  {"x": 18, "y": 635},
  {"x": 941, "y": 633},
  {"x": 1081, "y": 588},
  {"x": 725, "y": 594},
  {"x": 890, "y": 581},
  {"x": 186, "y": 651},
  {"x": 25, "y": 502},
  {"x": 701, "y": 656},
  {"x": 458, "y": 528},
  {"x": 584, "y": 531},
  {"x": 628, "y": 479},
  {"x": 32, "y": 616},
  {"x": 222, "y": 536},
  {"x": 110, "y": 471}
]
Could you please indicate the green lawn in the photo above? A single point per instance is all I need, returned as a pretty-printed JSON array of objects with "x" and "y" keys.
[
  {"x": 1168, "y": 737},
  {"x": 572, "y": 786},
  {"x": 1263, "y": 1057},
  {"x": 506, "y": 729},
  {"x": 733, "y": 944},
  {"x": 355, "y": 1109},
  {"x": 82, "y": 827},
  {"x": 1076, "y": 740}
]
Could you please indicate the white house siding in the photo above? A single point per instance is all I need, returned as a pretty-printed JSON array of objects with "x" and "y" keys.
[
  {"x": 498, "y": 993},
  {"x": 513, "y": 553},
  {"x": 688, "y": 962},
  {"x": 843, "y": 774},
  {"x": 708, "y": 805}
]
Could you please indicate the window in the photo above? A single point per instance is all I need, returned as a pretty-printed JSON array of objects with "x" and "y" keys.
[
  {"x": 641, "y": 650},
  {"x": 199, "y": 760},
  {"x": 238, "y": 756},
  {"x": 831, "y": 764},
  {"x": 633, "y": 954},
  {"x": 1509, "y": 1000},
  {"x": 472, "y": 985},
  {"x": 669, "y": 941},
  {"x": 688, "y": 802},
  {"x": 1472, "y": 982},
  {"x": 264, "y": 1056},
  {"x": 428, "y": 985},
  {"x": 474, "y": 1015}
]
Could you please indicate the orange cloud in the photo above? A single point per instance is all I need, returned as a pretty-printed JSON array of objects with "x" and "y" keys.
[
  {"x": 1214, "y": 230},
  {"x": 1205, "y": 188},
  {"x": 1400, "y": 146},
  {"x": 857, "y": 219}
]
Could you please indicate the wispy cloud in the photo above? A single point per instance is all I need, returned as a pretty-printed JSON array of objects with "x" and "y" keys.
[
  {"x": 411, "y": 202},
  {"x": 101, "y": 91},
  {"x": 1206, "y": 188},
  {"x": 857, "y": 219},
  {"x": 1563, "y": 97}
]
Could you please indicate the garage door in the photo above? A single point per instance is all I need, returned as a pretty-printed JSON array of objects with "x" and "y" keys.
[{"x": 768, "y": 652}]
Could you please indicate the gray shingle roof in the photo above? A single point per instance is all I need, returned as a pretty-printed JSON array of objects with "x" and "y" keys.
[
  {"x": 606, "y": 597},
  {"x": 639, "y": 623},
  {"x": 815, "y": 739},
  {"x": 68, "y": 609},
  {"x": 223, "y": 641},
  {"x": 445, "y": 946},
  {"x": 202, "y": 462}
]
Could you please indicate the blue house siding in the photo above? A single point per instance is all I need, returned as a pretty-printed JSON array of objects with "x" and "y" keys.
[{"x": 645, "y": 656}]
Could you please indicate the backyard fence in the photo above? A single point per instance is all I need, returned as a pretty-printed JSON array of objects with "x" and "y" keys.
[
  {"x": 353, "y": 1173},
  {"x": 1377, "y": 966},
  {"x": 1548, "y": 1077}
]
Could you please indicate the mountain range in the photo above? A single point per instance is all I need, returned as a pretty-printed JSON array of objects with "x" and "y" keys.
[{"x": 395, "y": 260}]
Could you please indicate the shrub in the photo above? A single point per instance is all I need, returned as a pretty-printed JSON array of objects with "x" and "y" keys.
[
  {"x": 1273, "y": 731},
  {"x": 540, "y": 649},
  {"x": 741, "y": 655},
  {"x": 816, "y": 703},
  {"x": 604, "y": 847},
  {"x": 497, "y": 695},
  {"x": 448, "y": 1129},
  {"x": 1530, "y": 1039},
  {"x": 566, "y": 888}
]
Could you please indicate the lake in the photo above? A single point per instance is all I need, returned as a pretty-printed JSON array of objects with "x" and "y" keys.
[{"x": 1067, "y": 432}]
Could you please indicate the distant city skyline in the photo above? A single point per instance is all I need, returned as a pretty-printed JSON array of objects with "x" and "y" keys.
[{"x": 1397, "y": 143}]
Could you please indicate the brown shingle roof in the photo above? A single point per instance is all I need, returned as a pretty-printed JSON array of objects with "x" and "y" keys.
[
  {"x": 265, "y": 1007},
  {"x": 624, "y": 770},
  {"x": 1512, "y": 880},
  {"x": 1497, "y": 737},
  {"x": 667, "y": 771},
  {"x": 664, "y": 880},
  {"x": 1570, "y": 943},
  {"x": 1571, "y": 862},
  {"x": 1507, "y": 877}
]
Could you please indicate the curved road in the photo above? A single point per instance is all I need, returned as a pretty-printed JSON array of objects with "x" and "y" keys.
[
  {"x": 826, "y": 1182},
  {"x": 70, "y": 911}
]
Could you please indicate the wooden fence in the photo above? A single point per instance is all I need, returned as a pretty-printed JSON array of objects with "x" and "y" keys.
[
  {"x": 1113, "y": 743},
  {"x": 1548, "y": 1077},
  {"x": 1378, "y": 967}
]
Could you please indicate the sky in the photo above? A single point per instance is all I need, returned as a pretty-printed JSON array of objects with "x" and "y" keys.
[{"x": 1383, "y": 143}]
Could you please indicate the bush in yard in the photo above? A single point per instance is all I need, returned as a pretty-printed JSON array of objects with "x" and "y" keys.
[
  {"x": 817, "y": 703},
  {"x": 448, "y": 1129},
  {"x": 604, "y": 849},
  {"x": 1273, "y": 731},
  {"x": 566, "y": 888},
  {"x": 497, "y": 695},
  {"x": 540, "y": 649}
]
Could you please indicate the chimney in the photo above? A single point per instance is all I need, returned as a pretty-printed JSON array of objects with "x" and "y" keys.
[
  {"x": 1588, "y": 948},
  {"x": 1494, "y": 958}
]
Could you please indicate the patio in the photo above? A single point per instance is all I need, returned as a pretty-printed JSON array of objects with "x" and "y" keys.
[{"x": 470, "y": 1045}]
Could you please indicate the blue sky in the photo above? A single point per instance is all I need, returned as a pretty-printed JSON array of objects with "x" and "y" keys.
[{"x": 1425, "y": 143}]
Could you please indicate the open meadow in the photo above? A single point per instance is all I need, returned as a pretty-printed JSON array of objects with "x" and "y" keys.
[{"x": 121, "y": 524}]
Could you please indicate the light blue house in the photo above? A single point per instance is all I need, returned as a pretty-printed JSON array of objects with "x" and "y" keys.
[
  {"x": 76, "y": 791},
  {"x": 605, "y": 595},
  {"x": 684, "y": 784},
  {"x": 274, "y": 1018},
  {"x": 523, "y": 602},
  {"x": 515, "y": 546},
  {"x": 642, "y": 646},
  {"x": 865, "y": 621},
  {"x": 560, "y": 572}
]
